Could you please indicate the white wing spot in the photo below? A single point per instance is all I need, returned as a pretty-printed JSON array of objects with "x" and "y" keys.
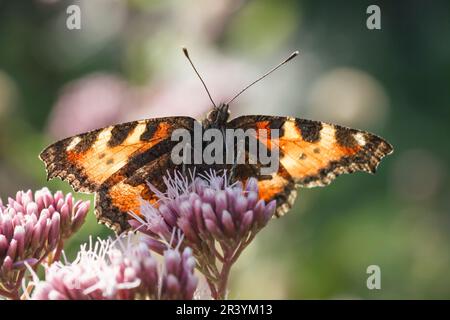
[
  {"x": 359, "y": 137},
  {"x": 73, "y": 143}
]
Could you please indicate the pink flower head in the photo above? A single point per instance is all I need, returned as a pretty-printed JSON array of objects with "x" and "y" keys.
[
  {"x": 31, "y": 227},
  {"x": 217, "y": 219},
  {"x": 119, "y": 270}
]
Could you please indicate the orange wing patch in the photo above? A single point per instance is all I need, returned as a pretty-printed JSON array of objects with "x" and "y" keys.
[
  {"x": 113, "y": 205},
  {"x": 88, "y": 160},
  {"x": 100, "y": 161},
  {"x": 118, "y": 197},
  {"x": 315, "y": 153},
  {"x": 302, "y": 158}
]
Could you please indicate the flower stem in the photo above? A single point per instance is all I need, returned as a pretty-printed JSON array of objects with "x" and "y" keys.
[
  {"x": 223, "y": 282},
  {"x": 58, "y": 251},
  {"x": 212, "y": 288}
]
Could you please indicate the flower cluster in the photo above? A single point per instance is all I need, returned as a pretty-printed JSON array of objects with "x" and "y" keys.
[
  {"x": 119, "y": 270},
  {"x": 32, "y": 228},
  {"x": 201, "y": 221},
  {"x": 217, "y": 220}
]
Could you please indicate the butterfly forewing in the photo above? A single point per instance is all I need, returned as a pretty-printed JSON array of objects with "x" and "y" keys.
[
  {"x": 106, "y": 161},
  {"x": 311, "y": 153}
]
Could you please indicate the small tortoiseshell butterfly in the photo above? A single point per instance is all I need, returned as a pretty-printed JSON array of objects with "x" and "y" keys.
[{"x": 116, "y": 162}]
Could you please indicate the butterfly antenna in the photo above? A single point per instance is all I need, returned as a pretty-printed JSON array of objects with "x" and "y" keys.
[
  {"x": 292, "y": 56},
  {"x": 186, "y": 53}
]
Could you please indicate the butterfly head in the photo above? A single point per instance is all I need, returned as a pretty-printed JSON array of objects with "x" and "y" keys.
[{"x": 217, "y": 117}]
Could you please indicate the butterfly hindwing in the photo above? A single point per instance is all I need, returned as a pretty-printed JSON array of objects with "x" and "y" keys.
[
  {"x": 116, "y": 162},
  {"x": 115, "y": 198},
  {"x": 311, "y": 153}
]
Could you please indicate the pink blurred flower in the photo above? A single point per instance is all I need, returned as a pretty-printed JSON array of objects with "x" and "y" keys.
[
  {"x": 92, "y": 102},
  {"x": 182, "y": 94},
  {"x": 100, "y": 99}
]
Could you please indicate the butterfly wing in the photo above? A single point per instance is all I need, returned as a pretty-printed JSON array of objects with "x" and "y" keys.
[
  {"x": 116, "y": 162},
  {"x": 311, "y": 154}
]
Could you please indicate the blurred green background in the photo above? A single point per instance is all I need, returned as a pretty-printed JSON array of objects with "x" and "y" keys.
[{"x": 125, "y": 63}]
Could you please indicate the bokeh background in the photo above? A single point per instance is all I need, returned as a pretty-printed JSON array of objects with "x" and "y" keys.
[{"x": 125, "y": 64}]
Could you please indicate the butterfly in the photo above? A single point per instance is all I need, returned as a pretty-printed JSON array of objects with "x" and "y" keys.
[{"x": 118, "y": 162}]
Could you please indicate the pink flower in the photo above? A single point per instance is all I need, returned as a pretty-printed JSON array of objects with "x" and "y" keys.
[
  {"x": 119, "y": 270},
  {"x": 217, "y": 220},
  {"x": 32, "y": 227},
  {"x": 93, "y": 101}
]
